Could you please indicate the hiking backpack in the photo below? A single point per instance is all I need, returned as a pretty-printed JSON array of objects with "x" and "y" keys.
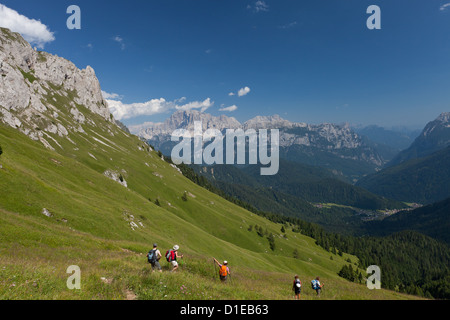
[
  {"x": 151, "y": 256},
  {"x": 170, "y": 255},
  {"x": 223, "y": 271},
  {"x": 314, "y": 284},
  {"x": 297, "y": 284}
]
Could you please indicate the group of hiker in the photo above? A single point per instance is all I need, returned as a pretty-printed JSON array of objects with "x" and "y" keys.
[
  {"x": 171, "y": 256},
  {"x": 297, "y": 286}
]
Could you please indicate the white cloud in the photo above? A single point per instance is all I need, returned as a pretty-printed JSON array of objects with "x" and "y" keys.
[
  {"x": 229, "y": 109},
  {"x": 444, "y": 6},
  {"x": 259, "y": 6},
  {"x": 244, "y": 91},
  {"x": 231, "y": 94},
  {"x": 112, "y": 96},
  {"x": 33, "y": 31},
  {"x": 155, "y": 106},
  {"x": 289, "y": 25},
  {"x": 119, "y": 40},
  {"x": 202, "y": 105}
]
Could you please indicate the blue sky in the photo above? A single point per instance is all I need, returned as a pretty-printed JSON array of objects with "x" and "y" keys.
[{"x": 308, "y": 61}]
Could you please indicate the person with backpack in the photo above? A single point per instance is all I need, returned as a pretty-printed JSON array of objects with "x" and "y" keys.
[
  {"x": 153, "y": 258},
  {"x": 297, "y": 288},
  {"x": 172, "y": 255},
  {"x": 315, "y": 284},
  {"x": 224, "y": 271}
]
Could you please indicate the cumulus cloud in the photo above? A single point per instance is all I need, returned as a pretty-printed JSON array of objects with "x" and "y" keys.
[
  {"x": 231, "y": 94},
  {"x": 202, "y": 105},
  {"x": 112, "y": 96},
  {"x": 229, "y": 109},
  {"x": 122, "y": 111},
  {"x": 244, "y": 91},
  {"x": 33, "y": 31},
  {"x": 444, "y": 6}
]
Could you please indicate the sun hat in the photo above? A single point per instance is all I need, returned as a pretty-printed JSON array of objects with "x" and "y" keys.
[{"x": 176, "y": 247}]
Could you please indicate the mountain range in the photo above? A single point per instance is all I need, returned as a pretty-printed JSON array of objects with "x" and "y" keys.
[{"x": 335, "y": 147}]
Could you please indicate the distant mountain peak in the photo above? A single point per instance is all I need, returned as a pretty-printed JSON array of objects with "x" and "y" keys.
[
  {"x": 444, "y": 117},
  {"x": 434, "y": 137}
]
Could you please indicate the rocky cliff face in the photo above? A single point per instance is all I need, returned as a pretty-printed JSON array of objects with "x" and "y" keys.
[{"x": 37, "y": 89}]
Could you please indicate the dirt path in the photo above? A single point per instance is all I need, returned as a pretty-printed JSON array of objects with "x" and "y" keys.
[{"x": 131, "y": 295}]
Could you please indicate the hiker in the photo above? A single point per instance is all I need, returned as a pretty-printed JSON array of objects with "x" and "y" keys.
[
  {"x": 224, "y": 271},
  {"x": 172, "y": 255},
  {"x": 315, "y": 284},
  {"x": 297, "y": 288},
  {"x": 153, "y": 258}
]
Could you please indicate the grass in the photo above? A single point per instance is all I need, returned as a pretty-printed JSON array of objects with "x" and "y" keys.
[{"x": 28, "y": 75}]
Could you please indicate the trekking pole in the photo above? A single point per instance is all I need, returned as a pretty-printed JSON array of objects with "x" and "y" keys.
[{"x": 214, "y": 263}]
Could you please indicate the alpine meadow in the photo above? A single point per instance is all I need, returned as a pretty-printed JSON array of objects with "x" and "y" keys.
[{"x": 90, "y": 181}]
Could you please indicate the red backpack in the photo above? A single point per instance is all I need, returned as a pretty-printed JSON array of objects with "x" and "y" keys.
[{"x": 170, "y": 255}]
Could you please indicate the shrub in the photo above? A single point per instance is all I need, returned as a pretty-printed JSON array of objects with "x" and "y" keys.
[{"x": 271, "y": 239}]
